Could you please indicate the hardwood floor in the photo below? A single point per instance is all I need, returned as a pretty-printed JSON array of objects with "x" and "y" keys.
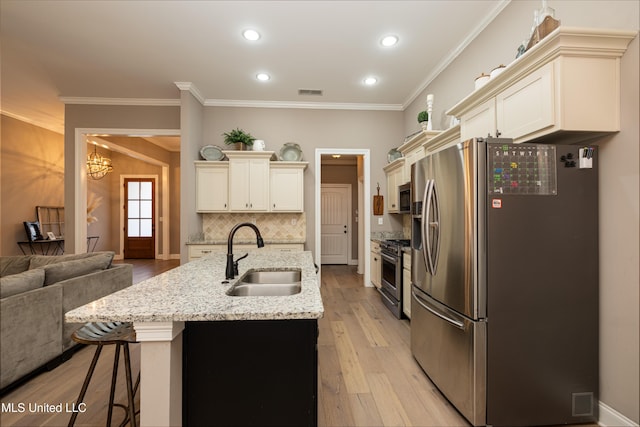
[{"x": 367, "y": 376}]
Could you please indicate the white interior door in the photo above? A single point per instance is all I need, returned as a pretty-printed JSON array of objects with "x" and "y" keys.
[{"x": 335, "y": 201}]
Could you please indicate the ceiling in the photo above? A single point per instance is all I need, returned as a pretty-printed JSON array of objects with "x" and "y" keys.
[{"x": 134, "y": 52}]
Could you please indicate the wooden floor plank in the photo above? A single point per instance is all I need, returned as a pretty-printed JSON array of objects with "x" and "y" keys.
[{"x": 347, "y": 357}]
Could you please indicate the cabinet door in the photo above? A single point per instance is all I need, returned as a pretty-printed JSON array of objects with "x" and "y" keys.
[
  {"x": 239, "y": 184},
  {"x": 392, "y": 191},
  {"x": 479, "y": 122},
  {"x": 526, "y": 106},
  {"x": 212, "y": 189},
  {"x": 248, "y": 184},
  {"x": 259, "y": 185},
  {"x": 376, "y": 272},
  {"x": 286, "y": 190}
]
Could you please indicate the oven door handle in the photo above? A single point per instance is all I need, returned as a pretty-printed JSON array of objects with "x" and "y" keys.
[{"x": 388, "y": 258}]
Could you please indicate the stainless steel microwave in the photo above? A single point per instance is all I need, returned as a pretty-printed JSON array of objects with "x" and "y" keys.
[{"x": 404, "y": 198}]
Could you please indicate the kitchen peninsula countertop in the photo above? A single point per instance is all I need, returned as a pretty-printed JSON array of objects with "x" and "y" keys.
[{"x": 195, "y": 292}]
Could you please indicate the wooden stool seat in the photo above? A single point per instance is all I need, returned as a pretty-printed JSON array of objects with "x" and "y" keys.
[{"x": 109, "y": 333}]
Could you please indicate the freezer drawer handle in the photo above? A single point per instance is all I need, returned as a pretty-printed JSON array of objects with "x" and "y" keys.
[{"x": 444, "y": 317}]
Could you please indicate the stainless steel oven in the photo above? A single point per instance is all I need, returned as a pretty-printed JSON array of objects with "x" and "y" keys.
[{"x": 391, "y": 283}]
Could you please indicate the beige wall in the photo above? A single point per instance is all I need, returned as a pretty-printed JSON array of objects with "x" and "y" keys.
[
  {"x": 32, "y": 174},
  {"x": 379, "y": 131},
  {"x": 41, "y": 181},
  {"x": 104, "y": 117},
  {"x": 619, "y": 175}
]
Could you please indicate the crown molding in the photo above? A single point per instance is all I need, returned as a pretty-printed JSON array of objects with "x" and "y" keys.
[
  {"x": 301, "y": 105},
  {"x": 119, "y": 101},
  {"x": 457, "y": 51},
  {"x": 41, "y": 124},
  {"x": 191, "y": 88}
]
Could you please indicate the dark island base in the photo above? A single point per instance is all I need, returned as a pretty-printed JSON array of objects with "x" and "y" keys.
[{"x": 250, "y": 373}]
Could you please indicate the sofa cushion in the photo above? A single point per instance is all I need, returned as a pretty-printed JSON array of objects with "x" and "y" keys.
[
  {"x": 14, "y": 264},
  {"x": 21, "y": 282},
  {"x": 54, "y": 273},
  {"x": 38, "y": 261}
]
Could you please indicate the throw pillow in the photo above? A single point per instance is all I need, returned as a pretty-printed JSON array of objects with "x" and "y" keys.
[
  {"x": 21, "y": 282},
  {"x": 38, "y": 261},
  {"x": 14, "y": 264},
  {"x": 54, "y": 273}
]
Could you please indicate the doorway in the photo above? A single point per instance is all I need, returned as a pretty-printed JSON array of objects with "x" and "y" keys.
[
  {"x": 139, "y": 213},
  {"x": 364, "y": 207},
  {"x": 335, "y": 202}
]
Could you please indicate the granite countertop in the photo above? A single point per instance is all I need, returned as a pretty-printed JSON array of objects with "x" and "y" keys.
[
  {"x": 195, "y": 292},
  {"x": 251, "y": 241}
]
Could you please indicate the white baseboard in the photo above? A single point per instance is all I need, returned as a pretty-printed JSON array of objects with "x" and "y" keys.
[
  {"x": 174, "y": 256},
  {"x": 353, "y": 262},
  {"x": 609, "y": 417}
]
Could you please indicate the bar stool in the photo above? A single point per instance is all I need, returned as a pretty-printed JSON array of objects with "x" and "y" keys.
[{"x": 101, "y": 334}]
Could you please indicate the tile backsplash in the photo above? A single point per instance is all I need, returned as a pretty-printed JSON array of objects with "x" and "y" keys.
[{"x": 273, "y": 226}]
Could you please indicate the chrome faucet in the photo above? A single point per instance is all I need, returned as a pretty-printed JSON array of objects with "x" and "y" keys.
[{"x": 232, "y": 267}]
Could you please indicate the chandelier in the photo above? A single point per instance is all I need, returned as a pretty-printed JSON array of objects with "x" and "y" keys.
[{"x": 97, "y": 165}]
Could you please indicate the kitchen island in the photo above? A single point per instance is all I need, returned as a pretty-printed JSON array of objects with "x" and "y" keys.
[{"x": 192, "y": 301}]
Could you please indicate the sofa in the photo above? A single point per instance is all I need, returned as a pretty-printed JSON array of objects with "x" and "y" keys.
[{"x": 35, "y": 293}]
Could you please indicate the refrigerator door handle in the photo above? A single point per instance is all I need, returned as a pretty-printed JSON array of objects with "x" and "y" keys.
[
  {"x": 436, "y": 227},
  {"x": 426, "y": 250},
  {"x": 425, "y": 304},
  {"x": 426, "y": 227}
]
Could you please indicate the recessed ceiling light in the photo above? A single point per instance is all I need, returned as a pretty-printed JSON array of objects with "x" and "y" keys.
[
  {"x": 251, "y": 35},
  {"x": 388, "y": 41},
  {"x": 263, "y": 77},
  {"x": 369, "y": 81}
]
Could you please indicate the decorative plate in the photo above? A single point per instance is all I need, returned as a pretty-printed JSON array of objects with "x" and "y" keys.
[
  {"x": 393, "y": 154},
  {"x": 211, "y": 152},
  {"x": 290, "y": 152}
]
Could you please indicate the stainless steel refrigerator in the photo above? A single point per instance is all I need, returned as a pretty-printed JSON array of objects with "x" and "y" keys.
[{"x": 505, "y": 280}]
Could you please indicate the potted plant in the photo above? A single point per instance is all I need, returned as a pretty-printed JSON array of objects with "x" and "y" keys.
[
  {"x": 240, "y": 138},
  {"x": 423, "y": 118}
]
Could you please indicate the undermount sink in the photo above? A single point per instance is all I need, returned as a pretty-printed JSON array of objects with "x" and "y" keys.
[{"x": 268, "y": 283}]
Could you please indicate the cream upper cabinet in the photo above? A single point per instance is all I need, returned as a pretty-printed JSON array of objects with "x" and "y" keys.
[
  {"x": 413, "y": 150},
  {"x": 212, "y": 186},
  {"x": 248, "y": 180},
  {"x": 569, "y": 84},
  {"x": 395, "y": 177},
  {"x": 481, "y": 121},
  {"x": 287, "y": 186}
]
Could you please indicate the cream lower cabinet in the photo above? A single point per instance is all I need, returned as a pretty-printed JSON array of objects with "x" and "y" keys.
[
  {"x": 406, "y": 284},
  {"x": 286, "y": 186},
  {"x": 568, "y": 84},
  {"x": 199, "y": 251},
  {"x": 212, "y": 186},
  {"x": 376, "y": 265},
  {"x": 248, "y": 181}
]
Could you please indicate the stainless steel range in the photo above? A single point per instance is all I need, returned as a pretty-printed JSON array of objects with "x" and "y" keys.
[{"x": 391, "y": 289}]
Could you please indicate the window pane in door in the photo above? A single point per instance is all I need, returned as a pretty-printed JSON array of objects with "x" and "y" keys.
[
  {"x": 134, "y": 209},
  {"x": 133, "y": 228},
  {"x": 145, "y": 190},
  {"x": 133, "y": 190},
  {"x": 145, "y": 209},
  {"x": 145, "y": 228}
]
